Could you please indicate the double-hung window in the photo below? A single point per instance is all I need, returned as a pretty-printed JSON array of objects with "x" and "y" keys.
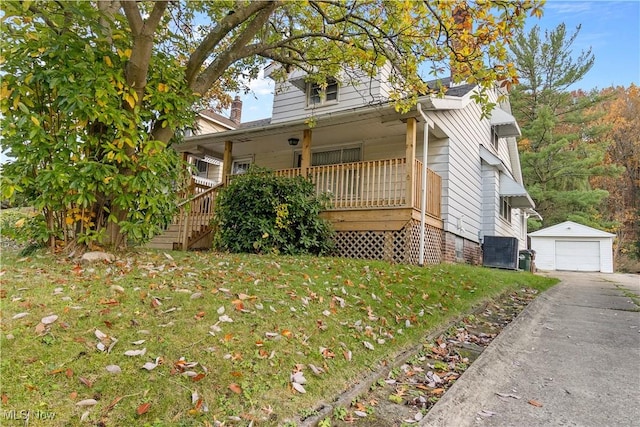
[{"x": 319, "y": 94}]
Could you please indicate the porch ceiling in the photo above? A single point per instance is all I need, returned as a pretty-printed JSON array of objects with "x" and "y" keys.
[{"x": 340, "y": 128}]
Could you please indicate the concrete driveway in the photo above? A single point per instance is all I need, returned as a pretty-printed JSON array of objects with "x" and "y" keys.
[{"x": 572, "y": 358}]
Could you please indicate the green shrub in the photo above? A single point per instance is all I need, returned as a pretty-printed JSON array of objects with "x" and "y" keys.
[
  {"x": 260, "y": 212},
  {"x": 23, "y": 226}
]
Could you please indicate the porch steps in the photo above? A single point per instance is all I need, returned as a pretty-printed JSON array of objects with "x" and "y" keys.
[{"x": 170, "y": 239}]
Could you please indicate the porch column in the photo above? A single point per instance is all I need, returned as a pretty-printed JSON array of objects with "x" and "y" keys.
[
  {"x": 227, "y": 160},
  {"x": 305, "y": 162},
  {"x": 411, "y": 159}
]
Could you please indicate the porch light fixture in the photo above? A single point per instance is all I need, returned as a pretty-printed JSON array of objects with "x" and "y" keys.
[{"x": 294, "y": 141}]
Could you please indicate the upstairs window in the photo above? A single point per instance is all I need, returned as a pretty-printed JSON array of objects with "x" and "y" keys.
[
  {"x": 322, "y": 94},
  {"x": 495, "y": 139}
]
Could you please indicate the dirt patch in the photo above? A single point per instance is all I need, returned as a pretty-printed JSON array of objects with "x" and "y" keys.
[{"x": 405, "y": 392}]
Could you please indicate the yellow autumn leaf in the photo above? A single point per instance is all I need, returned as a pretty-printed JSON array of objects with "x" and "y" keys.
[
  {"x": 163, "y": 87},
  {"x": 107, "y": 61},
  {"x": 35, "y": 121},
  {"x": 107, "y": 179},
  {"x": 19, "y": 223},
  {"x": 130, "y": 100}
]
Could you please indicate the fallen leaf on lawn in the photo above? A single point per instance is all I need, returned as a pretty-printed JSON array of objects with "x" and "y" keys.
[
  {"x": 225, "y": 319},
  {"x": 40, "y": 328},
  {"x": 47, "y": 320},
  {"x": 69, "y": 372},
  {"x": 87, "y": 402},
  {"x": 114, "y": 403},
  {"x": 198, "y": 377},
  {"x": 235, "y": 388},
  {"x": 535, "y": 403},
  {"x": 5, "y": 399},
  {"x": 360, "y": 414},
  {"x": 138, "y": 342},
  {"x": 169, "y": 257},
  {"x": 19, "y": 316},
  {"x": 196, "y": 295},
  {"x": 135, "y": 352},
  {"x": 143, "y": 409},
  {"x": 73, "y": 395},
  {"x": 85, "y": 382},
  {"x": 155, "y": 302},
  {"x": 149, "y": 366},
  {"x": 298, "y": 387},
  {"x": 85, "y": 416},
  {"x": 101, "y": 346},
  {"x": 221, "y": 310},
  {"x": 327, "y": 353},
  {"x": 298, "y": 377},
  {"x": 347, "y": 355},
  {"x": 316, "y": 370},
  {"x": 286, "y": 333},
  {"x": 113, "y": 369},
  {"x": 100, "y": 335},
  {"x": 368, "y": 345}
]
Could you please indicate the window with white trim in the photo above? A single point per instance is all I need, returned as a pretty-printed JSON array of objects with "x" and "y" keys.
[
  {"x": 240, "y": 166},
  {"x": 202, "y": 167},
  {"x": 495, "y": 139},
  {"x": 332, "y": 157},
  {"x": 319, "y": 94},
  {"x": 505, "y": 208}
]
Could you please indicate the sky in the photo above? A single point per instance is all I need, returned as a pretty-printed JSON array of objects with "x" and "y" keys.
[{"x": 610, "y": 28}]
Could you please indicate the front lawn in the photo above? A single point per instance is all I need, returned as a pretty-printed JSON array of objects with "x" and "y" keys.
[{"x": 192, "y": 338}]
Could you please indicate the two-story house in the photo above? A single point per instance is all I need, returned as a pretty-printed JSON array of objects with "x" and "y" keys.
[{"x": 424, "y": 186}]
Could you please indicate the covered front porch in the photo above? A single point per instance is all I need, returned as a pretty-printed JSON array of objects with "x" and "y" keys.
[{"x": 375, "y": 192}]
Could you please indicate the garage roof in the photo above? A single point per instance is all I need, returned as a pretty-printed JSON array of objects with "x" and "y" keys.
[{"x": 570, "y": 229}]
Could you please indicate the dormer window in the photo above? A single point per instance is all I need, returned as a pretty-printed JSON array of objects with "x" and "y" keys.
[{"x": 319, "y": 94}]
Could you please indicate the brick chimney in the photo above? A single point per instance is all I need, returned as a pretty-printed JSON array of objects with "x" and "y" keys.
[
  {"x": 462, "y": 22},
  {"x": 236, "y": 110}
]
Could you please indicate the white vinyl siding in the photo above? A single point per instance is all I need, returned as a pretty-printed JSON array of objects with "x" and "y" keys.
[{"x": 354, "y": 90}]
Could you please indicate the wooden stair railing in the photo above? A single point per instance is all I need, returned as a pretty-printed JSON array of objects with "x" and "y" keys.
[{"x": 194, "y": 216}]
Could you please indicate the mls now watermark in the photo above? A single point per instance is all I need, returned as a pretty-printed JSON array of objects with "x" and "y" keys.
[{"x": 26, "y": 415}]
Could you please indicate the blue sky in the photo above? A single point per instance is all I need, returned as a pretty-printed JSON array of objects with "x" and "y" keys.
[{"x": 610, "y": 28}]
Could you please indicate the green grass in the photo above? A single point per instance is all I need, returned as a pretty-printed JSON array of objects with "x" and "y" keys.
[{"x": 288, "y": 313}]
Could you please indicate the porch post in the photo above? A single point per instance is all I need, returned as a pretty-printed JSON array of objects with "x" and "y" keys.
[
  {"x": 227, "y": 160},
  {"x": 411, "y": 159},
  {"x": 305, "y": 162}
]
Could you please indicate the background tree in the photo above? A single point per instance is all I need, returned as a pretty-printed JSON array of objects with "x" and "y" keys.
[
  {"x": 94, "y": 92},
  {"x": 621, "y": 110},
  {"x": 563, "y": 145}
]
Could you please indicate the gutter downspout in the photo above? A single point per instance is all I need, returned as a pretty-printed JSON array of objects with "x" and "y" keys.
[{"x": 423, "y": 193}]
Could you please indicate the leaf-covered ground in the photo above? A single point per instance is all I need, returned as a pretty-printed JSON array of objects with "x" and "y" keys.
[{"x": 205, "y": 338}]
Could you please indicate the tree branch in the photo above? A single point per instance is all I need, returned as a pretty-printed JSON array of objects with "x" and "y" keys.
[
  {"x": 224, "y": 26},
  {"x": 229, "y": 56}
]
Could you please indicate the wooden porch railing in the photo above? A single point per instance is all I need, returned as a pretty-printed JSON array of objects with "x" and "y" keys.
[
  {"x": 434, "y": 190},
  {"x": 194, "y": 215},
  {"x": 371, "y": 184},
  {"x": 377, "y": 183}
]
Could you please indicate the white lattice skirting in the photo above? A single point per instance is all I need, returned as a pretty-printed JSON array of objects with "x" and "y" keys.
[{"x": 401, "y": 246}]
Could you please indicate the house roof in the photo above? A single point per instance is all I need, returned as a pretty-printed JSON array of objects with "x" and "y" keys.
[
  {"x": 570, "y": 229},
  {"x": 220, "y": 119}
]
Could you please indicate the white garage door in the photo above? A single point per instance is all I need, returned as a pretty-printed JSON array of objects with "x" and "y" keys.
[{"x": 577, "y": 256}]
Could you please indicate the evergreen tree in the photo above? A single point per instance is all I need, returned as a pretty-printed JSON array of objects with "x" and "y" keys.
[{"x": 561, "y": 148}]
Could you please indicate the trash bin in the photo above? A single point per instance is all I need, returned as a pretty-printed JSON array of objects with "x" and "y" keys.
[{"x": 525, "y": 260}]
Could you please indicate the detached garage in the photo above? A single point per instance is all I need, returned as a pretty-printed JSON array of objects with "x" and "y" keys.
[{"x": 571, "y": 246}]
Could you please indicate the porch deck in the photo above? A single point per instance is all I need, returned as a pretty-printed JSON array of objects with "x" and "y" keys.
[{"x": 378, "y": 195}]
